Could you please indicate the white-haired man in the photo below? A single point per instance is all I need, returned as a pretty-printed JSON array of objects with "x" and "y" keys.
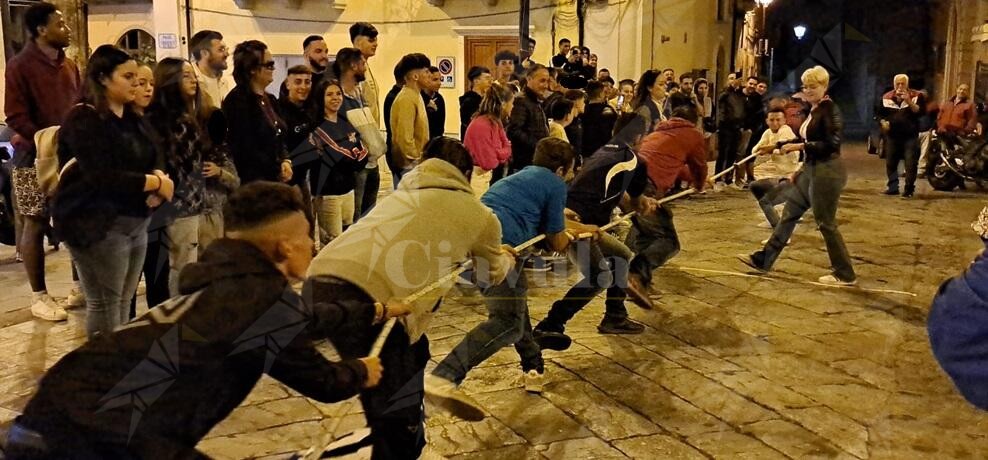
[{"x": 900, "y": 114}]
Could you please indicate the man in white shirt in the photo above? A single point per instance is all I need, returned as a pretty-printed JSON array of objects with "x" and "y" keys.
[
  {"x": 777, "y": 168},
  {"x": 210, "y": 54}
]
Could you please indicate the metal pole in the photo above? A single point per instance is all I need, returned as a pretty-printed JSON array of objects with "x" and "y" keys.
[{"x": 523, "y": 25}]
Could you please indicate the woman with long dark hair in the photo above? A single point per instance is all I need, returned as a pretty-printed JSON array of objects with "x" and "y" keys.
[
  {"x": 650, "y": 98},
  {"x": 338, "y": 155},
  {"x": 486, "y": 139},
  {"x": 174, "y": 116},
  {"x": 104, "y": 197},
  {"x": 256, "y": 129},
  {"x": 818, "y": 184}
]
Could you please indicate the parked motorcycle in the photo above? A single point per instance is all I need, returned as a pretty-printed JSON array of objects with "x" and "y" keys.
[{"x": 955, "y": 159}]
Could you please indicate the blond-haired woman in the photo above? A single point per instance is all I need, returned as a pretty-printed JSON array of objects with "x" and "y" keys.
[
  {"x": 486, "y": 139},
  {"x": 818, "y": 184}
]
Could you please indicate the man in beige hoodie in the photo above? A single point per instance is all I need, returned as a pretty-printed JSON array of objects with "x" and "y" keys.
[{"x": 412, "y": 238}]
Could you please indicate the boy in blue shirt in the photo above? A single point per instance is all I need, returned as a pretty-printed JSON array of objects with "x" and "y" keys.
[{"x": 527, "y": 203}]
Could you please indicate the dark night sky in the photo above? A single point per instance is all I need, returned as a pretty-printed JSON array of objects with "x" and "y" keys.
[{"x": 871, "y": 41}]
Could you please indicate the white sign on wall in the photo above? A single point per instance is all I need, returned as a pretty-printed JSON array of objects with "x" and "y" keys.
[
  {"x": 447, "y": 71},
  {"x": 168, "y": 41}
]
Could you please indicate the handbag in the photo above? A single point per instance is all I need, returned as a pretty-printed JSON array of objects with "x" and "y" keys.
[{"x": 363, "y": 121}]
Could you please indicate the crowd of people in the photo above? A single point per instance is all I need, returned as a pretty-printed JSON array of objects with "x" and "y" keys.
[{"x": 223, "y": 196}]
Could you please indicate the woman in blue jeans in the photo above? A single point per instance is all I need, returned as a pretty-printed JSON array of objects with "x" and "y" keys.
[
  {"x": 101, "y": 208},
  {"x": 817, "y": 185}
]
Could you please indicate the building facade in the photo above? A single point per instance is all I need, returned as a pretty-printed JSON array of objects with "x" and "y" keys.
[
  {"x": 629, "y": 36},
  {"x": 961, "y": 32}
]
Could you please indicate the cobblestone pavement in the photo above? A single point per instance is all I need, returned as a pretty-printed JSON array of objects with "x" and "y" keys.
[{"x": 739, "y": 367}]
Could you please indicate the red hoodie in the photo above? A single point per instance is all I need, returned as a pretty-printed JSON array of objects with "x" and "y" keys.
[{"x": 674, "y": 143}]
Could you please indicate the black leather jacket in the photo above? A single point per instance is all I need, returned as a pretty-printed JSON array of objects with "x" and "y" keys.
[{"x": 823, "y": 134}]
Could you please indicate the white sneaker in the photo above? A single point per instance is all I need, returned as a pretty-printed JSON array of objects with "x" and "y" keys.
[
  {"x": 446, "y": 395},
  {"x": 765, "y": 241},
  {"x": 142, "y": 288},
  {"x": 765, "y": 225},
  {"x": 47, "y": 309},
  {"x": 832, "y": 280},
  {"x": 534, "y": 381},
  {"x": 76, "y": 299},
  {"x": 718, "y": 187}
]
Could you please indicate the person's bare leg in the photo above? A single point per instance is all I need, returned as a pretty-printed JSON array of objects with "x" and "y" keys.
[{"x": 33, "y": 252}]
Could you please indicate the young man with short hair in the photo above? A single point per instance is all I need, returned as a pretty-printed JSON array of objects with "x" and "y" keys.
[
  {"x": 527, "y": 203},
  {"x": 209, "y": 54},
  {"x": 435, "y": 105},
  {"x": 409, "y": 119},
  {"x": 754, "y": 117},
  {"x": 559, "y": 60},
  {"x": 504, "y": 65},
  {"x": 375, "y": 181},
  {"x": 773, "y": 165},
  {"x": 42, "y": 85},
  {"x": 626, "y": 94},
  {"x": 675, "y": 144},
  {"x": 420, "y": 234},
  {"x": 598, "y": 119},
  {"x": 316, "y": 55},
  {"x": 237, "y": 318},
  {"x": 613, "y": 176}
]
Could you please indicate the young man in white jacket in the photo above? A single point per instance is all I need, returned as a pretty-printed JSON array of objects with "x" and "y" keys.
[
  {"x": 775, "y": 167},
  {"x": 414, "y": 237}
]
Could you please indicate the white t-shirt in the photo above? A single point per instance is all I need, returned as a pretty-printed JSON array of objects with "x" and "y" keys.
[{"x": 778, "y": 163}]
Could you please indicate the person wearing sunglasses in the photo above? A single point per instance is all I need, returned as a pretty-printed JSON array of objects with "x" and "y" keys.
[{"x": 256, "y": 129}]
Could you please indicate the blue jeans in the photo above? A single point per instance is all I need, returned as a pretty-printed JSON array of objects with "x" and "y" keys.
[
  {"x": 770, "y": 193},
  {"x": 604, "y": 265},
  {"x": 817, "y": 187},
  {"x": 507, "y": 323},
  {"x": 109, "y": 271},
  {"x": 654, "y": 240}
]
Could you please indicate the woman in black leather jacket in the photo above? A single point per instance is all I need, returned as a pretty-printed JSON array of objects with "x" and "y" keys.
[{"x": 818, "y": 183}]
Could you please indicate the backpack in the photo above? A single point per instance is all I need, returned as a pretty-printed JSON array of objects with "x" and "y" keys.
[{"x": 46, "y": 159}]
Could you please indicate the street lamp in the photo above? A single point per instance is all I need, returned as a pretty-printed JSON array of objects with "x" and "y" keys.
[{"x": 800, "y": 31}]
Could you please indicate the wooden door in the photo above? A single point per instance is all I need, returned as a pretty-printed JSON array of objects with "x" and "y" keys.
[{"x": 481, "y": 50}]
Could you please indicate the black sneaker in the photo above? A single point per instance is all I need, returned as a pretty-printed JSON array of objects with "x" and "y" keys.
[
  {"x": 550, "y": 340},
  {"x": 537, "y": 264},
  {"x": 891, "y": 192},
  {"x": 747, "y": 260},
  {"x": 907, "y": 194},
  {"x": 624, "y": 326}
]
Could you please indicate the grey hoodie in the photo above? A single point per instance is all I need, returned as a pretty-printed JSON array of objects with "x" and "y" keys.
[{"x": 415, "y": 236}]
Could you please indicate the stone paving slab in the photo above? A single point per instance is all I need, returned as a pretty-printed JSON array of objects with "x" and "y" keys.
[{"x": 734, "y": 366}]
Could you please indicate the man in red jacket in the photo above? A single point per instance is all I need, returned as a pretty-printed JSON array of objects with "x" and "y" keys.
[
  {"x": 41, "y": 86},
  {"x": 958, "y": 115},
  {"x": 674, "y": 143}
]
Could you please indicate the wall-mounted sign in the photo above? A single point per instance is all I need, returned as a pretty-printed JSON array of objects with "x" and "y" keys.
[
  {"x": 168, "y": 41},
  {"x": 447, "y": 71}
]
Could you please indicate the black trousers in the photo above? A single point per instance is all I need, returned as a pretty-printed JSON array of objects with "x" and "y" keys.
[
  {"x": 728, "y": 139},
  {"x": 394, "y": 408}
]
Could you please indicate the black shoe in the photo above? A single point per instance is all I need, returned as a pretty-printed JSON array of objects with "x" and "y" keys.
[
  {"x": 907, "y": 194},
  {"x": 624, "y": 326},
  {"x": 891, "y": 192},
  {"x": 549, "y": 340},
  {"x": 747, "y": 260}
]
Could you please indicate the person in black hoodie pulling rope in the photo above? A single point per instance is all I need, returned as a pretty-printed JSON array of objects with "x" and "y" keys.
[{"x": 156, "y": 386}]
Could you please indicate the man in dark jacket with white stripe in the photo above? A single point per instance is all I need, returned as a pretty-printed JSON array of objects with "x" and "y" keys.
[{"x": 156, "y": 386}]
